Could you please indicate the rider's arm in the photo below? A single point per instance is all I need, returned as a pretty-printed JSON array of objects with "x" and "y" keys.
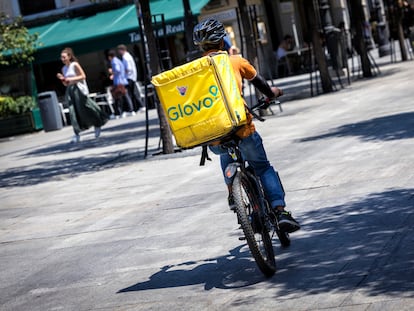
[
  {"x": 245, "y": 70},
  {"x": 260, "y": 83}
]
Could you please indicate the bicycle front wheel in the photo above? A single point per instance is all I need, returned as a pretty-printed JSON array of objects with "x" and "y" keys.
[{"x": 254, "y": 228}]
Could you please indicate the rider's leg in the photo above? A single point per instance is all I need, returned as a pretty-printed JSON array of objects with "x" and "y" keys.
[
  {"x": 225, "y": 159},
  {"x": 253, "y": 151}
]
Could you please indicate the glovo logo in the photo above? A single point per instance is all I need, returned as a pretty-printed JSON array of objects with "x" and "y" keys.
[
  {"x": 186, "y": 110},
  {"x": 182, "y": 90}
]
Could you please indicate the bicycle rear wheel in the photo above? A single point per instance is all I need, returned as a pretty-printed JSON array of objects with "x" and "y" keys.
[{"x": 254, "y": 228}]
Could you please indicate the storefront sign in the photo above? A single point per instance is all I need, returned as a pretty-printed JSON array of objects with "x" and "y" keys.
[{"x": 170, "y": 29}]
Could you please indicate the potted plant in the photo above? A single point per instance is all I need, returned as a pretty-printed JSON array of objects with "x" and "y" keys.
[{"x": 18, "y": 115}]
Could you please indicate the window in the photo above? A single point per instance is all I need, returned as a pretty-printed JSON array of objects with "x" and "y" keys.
[{"x": 28, "y": 7}]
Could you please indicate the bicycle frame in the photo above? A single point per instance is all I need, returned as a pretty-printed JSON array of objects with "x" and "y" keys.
[
  {"x": 254, "y": 213},
  {"x": 239, "y": 166},
  {"x": 252, "y": 210}
]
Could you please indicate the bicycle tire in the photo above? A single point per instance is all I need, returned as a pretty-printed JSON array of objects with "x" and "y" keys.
[{"x": 262, "y": 248}]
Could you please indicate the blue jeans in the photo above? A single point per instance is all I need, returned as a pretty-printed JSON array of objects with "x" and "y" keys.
[{"x": 253, "y": 152}]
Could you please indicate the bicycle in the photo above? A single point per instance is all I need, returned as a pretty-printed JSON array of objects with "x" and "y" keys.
[{"x": 255, "y": 215}]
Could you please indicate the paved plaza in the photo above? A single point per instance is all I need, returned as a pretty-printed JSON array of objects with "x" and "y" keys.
[{"x": 96, "y": 226}]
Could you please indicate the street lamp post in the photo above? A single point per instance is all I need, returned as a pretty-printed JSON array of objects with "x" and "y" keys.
[{"x": 331, "y": 34}]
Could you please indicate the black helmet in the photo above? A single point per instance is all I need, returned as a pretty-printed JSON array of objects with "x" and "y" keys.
[{"x": 210, "y": 31}]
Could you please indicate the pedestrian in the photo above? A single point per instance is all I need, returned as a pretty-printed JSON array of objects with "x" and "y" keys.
[
  {"x": 131, "y": 73},
  {"x": 234, "y": 50},
  {"x": 83, "y": 111},
  {"x": 209, "y": 35},
  {"x": 119, "y": 89},
  {"x": 284, "y": 67}
]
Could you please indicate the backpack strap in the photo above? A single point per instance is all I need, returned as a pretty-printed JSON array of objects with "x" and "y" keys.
[{"x": 204, "y": 156}]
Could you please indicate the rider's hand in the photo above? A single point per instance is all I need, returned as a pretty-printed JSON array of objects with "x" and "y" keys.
[
  {"x": 278, "y": 92},
  {"x": 268, "y": 101}
]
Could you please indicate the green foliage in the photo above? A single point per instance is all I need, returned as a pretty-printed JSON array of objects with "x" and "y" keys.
[
  {"x": 10, "y": 106},
  {"x": 24, "y": 104},
  {"x": 17, "y": 45},
  {"x": 6, "y": 102}
]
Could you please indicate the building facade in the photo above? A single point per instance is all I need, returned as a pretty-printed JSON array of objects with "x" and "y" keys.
[{"x": 91, "y": 28}]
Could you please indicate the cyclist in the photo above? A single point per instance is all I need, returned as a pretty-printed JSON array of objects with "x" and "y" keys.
[{"x": 209, "y": 35}]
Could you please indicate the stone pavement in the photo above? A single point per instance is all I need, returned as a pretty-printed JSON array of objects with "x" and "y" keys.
[{"x": 95, "y": 226}]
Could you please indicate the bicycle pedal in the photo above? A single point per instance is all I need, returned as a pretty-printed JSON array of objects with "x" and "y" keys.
[{"x": 242, "y": 238}]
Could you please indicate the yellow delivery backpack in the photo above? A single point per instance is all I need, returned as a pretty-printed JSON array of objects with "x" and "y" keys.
[{"x": 201, "y": 100}]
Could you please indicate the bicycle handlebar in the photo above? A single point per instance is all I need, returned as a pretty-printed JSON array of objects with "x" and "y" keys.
[{"x": 262, "y": 103}]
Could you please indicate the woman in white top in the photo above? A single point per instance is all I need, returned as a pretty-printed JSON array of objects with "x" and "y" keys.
[{"x": 84, "y": 112}]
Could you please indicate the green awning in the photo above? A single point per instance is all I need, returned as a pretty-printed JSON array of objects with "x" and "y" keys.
[{"x": 105, "y": 30}]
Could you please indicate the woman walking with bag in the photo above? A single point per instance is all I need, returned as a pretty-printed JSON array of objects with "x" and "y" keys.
[{"x": 84, "y": 112}]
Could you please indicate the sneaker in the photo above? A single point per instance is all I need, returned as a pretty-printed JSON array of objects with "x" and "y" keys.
[
  {"x": 132, "y": 113},
  {"x": 97, "y": 132},
  {"x": 232, "y": 205},
  {"x": 123, "y": 115},
  {"x": 142, "y": 109},
  {"x": 286, "y": 222},
  {"x": 75, "y": 139}
]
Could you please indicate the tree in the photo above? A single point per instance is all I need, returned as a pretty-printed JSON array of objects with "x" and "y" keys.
[
  {"x": 17, "y": 45},
  {"x": 358, "y": 19},
  {"x": 315, "y": 36},
  {"x": 396, "y": 7},
  {"x": 189, "y": 25},
  {"x": 249, "y": 38},
  {"x": 153, "y": 67}
]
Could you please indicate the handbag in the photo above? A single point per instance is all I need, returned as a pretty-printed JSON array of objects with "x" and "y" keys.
[
  {"x": 83, "y": 87},
  {"x": 118, "y": 91}
]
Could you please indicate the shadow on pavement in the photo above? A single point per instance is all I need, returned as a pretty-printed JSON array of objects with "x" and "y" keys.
[
  {"x": 301, "y": 87},
  {"x": 131, "y": 125},
  {"x": 67, "y": 168},
  {"x": 234, "y": 270},
  {"x": 110, "y": 136},
  {"x": 398, "y": 126},
  {"x": 366, "y": 244}
]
